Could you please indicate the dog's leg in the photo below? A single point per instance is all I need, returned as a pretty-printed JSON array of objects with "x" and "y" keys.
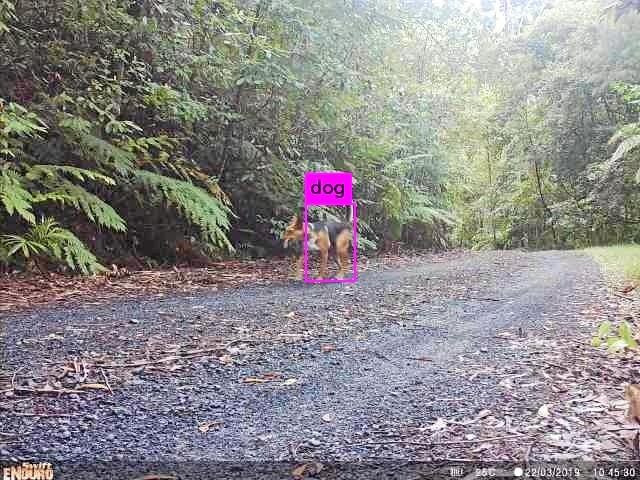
[
  {"x": 341, "y": 268},
  {"x": 323, "y": 244},
  {"x": 299, "y": 266},
  {"x": 343, "y": 261},
  {"x": 342, "y": 252},
  {"x": 324, "y": 257},
  {"x": 296, "y": 268}
]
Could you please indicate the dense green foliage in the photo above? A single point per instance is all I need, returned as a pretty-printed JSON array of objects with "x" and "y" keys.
[
  {"x": 145, "y": 130},
  {"x": 538, "y": 167}
]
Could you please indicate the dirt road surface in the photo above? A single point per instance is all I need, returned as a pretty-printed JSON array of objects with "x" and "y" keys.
[{"x": 479, "y": 357}]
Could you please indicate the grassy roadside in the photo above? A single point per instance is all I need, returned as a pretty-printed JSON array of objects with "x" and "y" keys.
[
  {"x": 619, "y": 261},
  {"x": 621, "y": 265}
]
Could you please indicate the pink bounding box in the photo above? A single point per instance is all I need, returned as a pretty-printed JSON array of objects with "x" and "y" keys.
[{"x": 329, "y": 189}]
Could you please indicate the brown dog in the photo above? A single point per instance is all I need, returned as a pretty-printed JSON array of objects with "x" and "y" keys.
[{"x": 322, "y": 237}]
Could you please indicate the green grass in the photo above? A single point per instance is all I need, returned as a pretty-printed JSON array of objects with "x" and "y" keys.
[{"x": 619, "y": 260}]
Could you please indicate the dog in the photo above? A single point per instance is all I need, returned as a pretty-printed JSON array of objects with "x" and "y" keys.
[{"x": 323, "y": 237}]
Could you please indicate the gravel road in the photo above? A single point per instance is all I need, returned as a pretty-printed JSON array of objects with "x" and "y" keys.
[{"x": 407, "y": 364}]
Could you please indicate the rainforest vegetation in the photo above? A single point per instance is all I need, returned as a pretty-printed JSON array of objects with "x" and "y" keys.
[{"x": 148, "y": 132}]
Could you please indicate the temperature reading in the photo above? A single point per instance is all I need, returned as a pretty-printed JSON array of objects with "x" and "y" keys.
[{"x": 485, "y": 472}]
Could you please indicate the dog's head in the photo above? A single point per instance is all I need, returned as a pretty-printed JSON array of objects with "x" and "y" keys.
[
  {"x": 318, "y": 234},
  {"x": 293, "y": 232}
]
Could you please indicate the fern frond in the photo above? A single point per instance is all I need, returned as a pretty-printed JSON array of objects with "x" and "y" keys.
[
  {"x": 17, "y": 121},
  {"x": 25, "y": 245},
  {"x": 51, "y": 197},
  {"x": 48, "y": 238},
  {"x": 143, "y": 145},
  {"x": 426, "y": 214},
  {"x": 75, "y": 125},
  {"x": 96, "y": 210},
  {"x": 209, "y": 214},
  {"x": 420, "y": 209},
  {"x": 14, "y": 196},
  {"x": 36, "y": 172},
  {"x": 214, "y": 189},
  {"x": 107, "y": 155},
  {"x": 95, "y": 149},
  {"x": 73, "y": 252},
  {"x": 64, "y": 246}
]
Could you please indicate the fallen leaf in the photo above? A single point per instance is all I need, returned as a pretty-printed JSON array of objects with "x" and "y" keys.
[
  {"x": 618, "y": 404},
  {"x": 307, "y": 469},
  {"x": 290, "y": 314},
  {"x": 266, "y": 377},
  {"x": 225, "y": 359},
  {"x": 327, "y": 348},
  {"x": 299, "y": 471},
  {"x": 564, "y": 423},
  {"x": 483, "y": 413},
  {"x": 93, "y": 386},
  {"x": 170, "y": 368},
  {"x": 440, "y": 424},
  {"x": 588, "y": 409},
  {"x": 628, "y": 288},
  {"x": 543, "y": 411},
  {"x": 529, "y": 385},
  {"x": 557, "y": 440},
  {"x": 610, "y": 446},
  {"x": 328, "y": 417},
  {"x": 482, "y": 447},
  {"x": 290, "y": 381},
  {"x": 204, "y": 427},
  {"x": 255, "y": 380},
  {"x": 562, "y": 456},
  {"x": 506, "y": 383},
  {"x": 505, "y": 335},
  {"x": 53, "y": 336}
]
